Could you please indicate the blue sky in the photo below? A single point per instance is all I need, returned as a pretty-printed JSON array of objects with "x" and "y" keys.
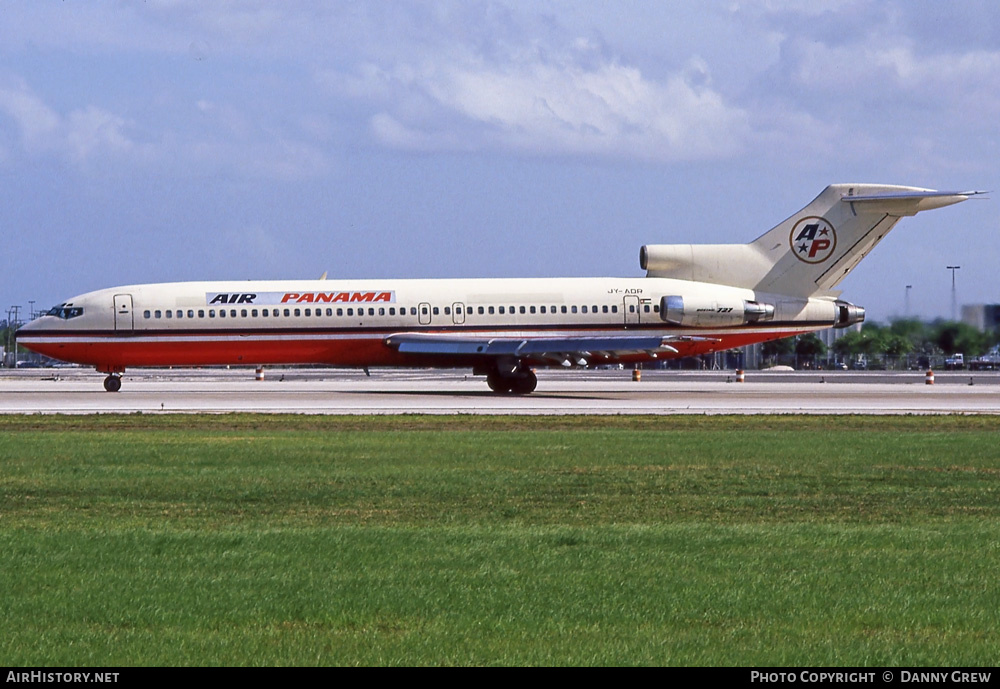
[{"x": 187, "y": 140}]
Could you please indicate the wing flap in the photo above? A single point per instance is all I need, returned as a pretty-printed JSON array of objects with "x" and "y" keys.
[{"x": 557, "y": 349}]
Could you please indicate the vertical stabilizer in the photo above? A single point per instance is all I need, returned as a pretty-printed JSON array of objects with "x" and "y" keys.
[{"x": 811, "y": 252}]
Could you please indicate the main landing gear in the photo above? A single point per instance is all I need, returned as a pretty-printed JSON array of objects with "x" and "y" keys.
[
  {"x": 113, "y": 383},
  {"x": 520, "y": 382}
]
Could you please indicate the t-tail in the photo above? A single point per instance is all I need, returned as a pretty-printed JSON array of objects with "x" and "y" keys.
[{"x": 808, "y": 254}]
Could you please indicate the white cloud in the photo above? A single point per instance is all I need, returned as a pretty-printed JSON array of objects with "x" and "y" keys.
[
  {"x": 548, "y": 106},
  {"x": 884, "y": 63},
  {"x": 80, "y": 135},
  {"x": 229, "y": 138},
  {"x": 91, "y": 130},
  {"x": 35, "y": 121}
]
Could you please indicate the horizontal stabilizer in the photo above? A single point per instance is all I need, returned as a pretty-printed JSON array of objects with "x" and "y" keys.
[{"x": 908, "y": 202}]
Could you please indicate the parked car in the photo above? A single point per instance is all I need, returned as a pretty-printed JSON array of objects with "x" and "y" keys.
[{"x": 956, "y": 362}]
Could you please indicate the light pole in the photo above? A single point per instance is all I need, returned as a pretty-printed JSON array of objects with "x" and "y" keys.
[
  {"x": 954, "y": 302},
  {"x": 12, "y": 331},
  {"x": 906, "y": 304}
]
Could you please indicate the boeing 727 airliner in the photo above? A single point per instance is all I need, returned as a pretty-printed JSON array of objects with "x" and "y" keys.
[{"x": 695, "y": 299}]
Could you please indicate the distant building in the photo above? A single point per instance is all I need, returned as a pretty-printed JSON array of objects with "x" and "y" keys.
[{"x": 984, "y": 317}]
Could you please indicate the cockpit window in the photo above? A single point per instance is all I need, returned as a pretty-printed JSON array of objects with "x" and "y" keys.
[{"x": 65, "y": 311}]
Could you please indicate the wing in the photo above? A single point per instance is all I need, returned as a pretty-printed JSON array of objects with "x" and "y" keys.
[{"x": 566, "y": 351}]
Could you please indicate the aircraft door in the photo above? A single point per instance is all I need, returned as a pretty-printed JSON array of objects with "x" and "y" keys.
[
  {"x": 458, "y": 311},
  {"x": 424, "y": 313},
  {"x": 124, "y": 319},
  {"x": 630, "y": 305}
]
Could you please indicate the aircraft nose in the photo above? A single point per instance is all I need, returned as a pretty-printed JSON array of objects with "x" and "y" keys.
[{"x": 29, "y": 326}]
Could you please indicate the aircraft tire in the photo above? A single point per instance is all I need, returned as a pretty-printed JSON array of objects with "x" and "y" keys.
[
  {"x": 525, "y": 383},
  {"x": 113, "y": 383},
  {"x": 498, "y": 383}
]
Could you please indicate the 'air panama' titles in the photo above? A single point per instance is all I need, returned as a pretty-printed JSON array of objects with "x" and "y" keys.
[{"x": 297, "y": 297}]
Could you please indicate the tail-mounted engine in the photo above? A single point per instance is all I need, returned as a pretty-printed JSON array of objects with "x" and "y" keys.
[
  {"x": 848, "y": 314},
  {"x": 715, "y": 313}
]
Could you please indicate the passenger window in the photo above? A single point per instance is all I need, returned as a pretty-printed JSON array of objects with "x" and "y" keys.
[
  {"x": 573, "y": 309},
  {"x": 521, "y": 309},
  {"x": 371, "y": 311},
  {"x": 232, "y": 313},
  {"x": 287, "y": 313},
  {"x": 543, "y": 309},
  {"x": 392, "y": 310},
  {"x": 298, "y": 312},
  {"x": 169, "y": 313},
  {"x": 222, "y": 313},
  {"x": 190, "y": 313},
  {"x": 381, "y": 311},
  {"x": 481, "y": 310},
  {"x": 350, "y": 312},
  {"x": 201, "y": 313},
  {"x": 243, "y": 312},
  {"x": 584, "y": 308},
  {"x": 435, "y": 310},
  {"x": 490, "y": 309},
  {"x": 146, "y": 314},
  {"x": 413, "y": 310},
  {"x": 329, "y": 312},
  {"x": 604, "y": 308},
  {"x": 531, "y": 309},
  {"x": 340, "y": 312},
  {"x": 211, "y": 313},
  {"x": 308, "y": 312},
  {"x": 447, "y": 311},
  {"x": 253, "y": 313},
  {"x": 614, "y": 308},
  {"x": 563, "y": 308},
  {"x": 501, "y": 311},
  {"x": 645, "y": 308}
]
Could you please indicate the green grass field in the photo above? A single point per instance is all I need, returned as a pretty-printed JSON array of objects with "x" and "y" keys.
[{"x": 465, "y": 540}]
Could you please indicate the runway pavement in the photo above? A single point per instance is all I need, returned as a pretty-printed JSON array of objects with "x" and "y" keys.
[{"x": 332, "y": 391}]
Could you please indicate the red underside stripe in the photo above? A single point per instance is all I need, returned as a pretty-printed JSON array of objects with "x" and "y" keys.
[{"x": 119, "y": 353}]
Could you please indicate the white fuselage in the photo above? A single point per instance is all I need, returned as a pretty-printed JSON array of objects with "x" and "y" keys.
[{"x": 346, "y": 322}]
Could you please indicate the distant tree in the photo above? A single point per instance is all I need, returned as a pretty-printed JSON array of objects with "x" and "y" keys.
[
  {"x": 809, "y": 348},
  {"x": 897, "y": 345},
  {"x": 850, "y": 344},
  {"x": 952, "y": 337},
  {"x": 913, "y": 330},
  {"x": 773, "y": 349}
]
